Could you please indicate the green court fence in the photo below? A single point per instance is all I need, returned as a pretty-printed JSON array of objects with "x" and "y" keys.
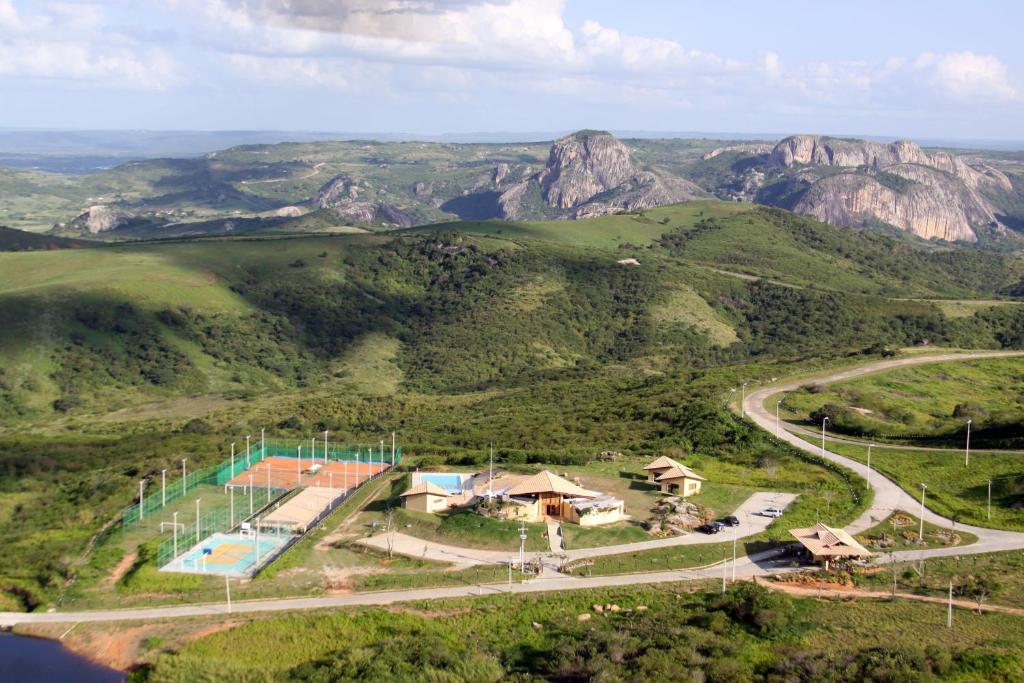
[
  {"x": 215, "y": 521},
  {"x": 219, "y": 475}
]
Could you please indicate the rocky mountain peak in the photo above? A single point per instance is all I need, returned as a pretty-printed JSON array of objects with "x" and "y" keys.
[{"x": 582, "y": 165}]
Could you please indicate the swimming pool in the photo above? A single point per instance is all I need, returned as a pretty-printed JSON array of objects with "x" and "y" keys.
[
  {"x": 452, "y": 483},
  {"x": 229, "y": 555}
]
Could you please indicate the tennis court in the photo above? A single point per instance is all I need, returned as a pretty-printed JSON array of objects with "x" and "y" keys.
[
  {"x": 282, "y": 472},
  {"x": 234, "y": 555}
]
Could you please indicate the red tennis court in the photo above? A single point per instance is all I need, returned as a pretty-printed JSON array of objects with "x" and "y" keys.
[{"x": 289, "y": 473}]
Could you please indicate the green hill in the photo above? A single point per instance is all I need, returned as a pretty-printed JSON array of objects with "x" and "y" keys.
[{"x": 19, "y": 240}]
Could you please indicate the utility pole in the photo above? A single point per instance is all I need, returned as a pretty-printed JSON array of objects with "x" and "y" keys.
[
  {"x": 232, "y": 460},
  {"x": 823, "y": 436},
  {"x": 869, "y": 458},
  {"x": 920, "y": 536},
  {"x": 163, "y": 488},
  {"x": 949, "y": 613},
  {"x": 248, "y": 462},
  {"x": 522, "y": 547},
  {"x": 967, "y": 451}
]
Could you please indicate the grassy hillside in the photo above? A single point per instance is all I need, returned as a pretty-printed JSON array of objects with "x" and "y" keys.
[
  {"x": 20, "y": 240},
  {"x": 118, "y": 360}
]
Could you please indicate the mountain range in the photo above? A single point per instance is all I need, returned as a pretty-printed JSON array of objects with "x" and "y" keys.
[{"x": 954, "y": 196}]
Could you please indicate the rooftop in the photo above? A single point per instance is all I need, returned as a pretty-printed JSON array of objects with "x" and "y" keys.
[
  {"x": 549, "y": 482},
  {"x": 823, "y": 540},
  {"x": 425, "y": 487}
]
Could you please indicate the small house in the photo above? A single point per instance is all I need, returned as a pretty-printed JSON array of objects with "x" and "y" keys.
[
  {"x": 826, "y": 545},
  {"x": 426, "y": 497},
  {"x": 673, "y": 477}
]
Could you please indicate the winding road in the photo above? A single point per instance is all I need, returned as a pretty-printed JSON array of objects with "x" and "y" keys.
[{"x": 888, "y": 496}]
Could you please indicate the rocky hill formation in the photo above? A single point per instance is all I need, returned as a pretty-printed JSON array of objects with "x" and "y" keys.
[
  {"x": 858, "y": 183},
  {"x": 591, "y": 173}
]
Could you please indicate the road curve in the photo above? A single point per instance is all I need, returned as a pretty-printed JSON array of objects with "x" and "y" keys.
[{"x": 888, "y": 495}]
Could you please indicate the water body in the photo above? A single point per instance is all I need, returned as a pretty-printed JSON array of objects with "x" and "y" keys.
[{"x": 37, "y": 660}]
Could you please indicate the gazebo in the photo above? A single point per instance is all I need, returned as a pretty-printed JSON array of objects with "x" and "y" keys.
[{"x": 826, "y": 544}]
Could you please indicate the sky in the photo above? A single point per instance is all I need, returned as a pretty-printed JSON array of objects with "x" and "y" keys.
[{"x": 909, "y": 68}]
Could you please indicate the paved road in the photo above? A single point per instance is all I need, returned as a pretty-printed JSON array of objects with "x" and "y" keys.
[
  {"x": 750, "y": 524},
  {"x": 888, "y": 495}
]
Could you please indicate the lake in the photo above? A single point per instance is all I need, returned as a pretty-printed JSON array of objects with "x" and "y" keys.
[{"x": 37, "y": 660}]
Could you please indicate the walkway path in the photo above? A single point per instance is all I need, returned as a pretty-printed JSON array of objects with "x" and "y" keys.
[{"x": 555, "y": 544}]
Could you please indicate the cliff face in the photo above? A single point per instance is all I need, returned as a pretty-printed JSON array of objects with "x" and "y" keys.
[
  {"x": 931, "y": 195},
  {"x": 341, "y": 195},
  {"x": 100, "y": 218},
  {"x": 592, "y": 174}
]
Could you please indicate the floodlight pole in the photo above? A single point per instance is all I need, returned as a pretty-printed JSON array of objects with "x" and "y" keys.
[
  {"x": 248, "y": 463},
  {"x": 263, "y": 444},
  {"x": 300, "y": 464},
  {"x": 175, "y": 524},
  {"x": 392, "y": 449},
  {"x": 250, "y": 494},
  {"x": 163, "y": 488},
  {"x": 312, "y": 451},
  {"x": 920, "y": 535},
  {"x": 231, "y": 495},
  {"x": 346, "y": 475},
  {"x": 990, "y": 499},
  {"x": 142, "y": 508},
  {"x": 184, "y": 479},
  {"x": 743, "y": 400},
  {"x": 325, "y": 447},
  {"x": 823, "y": 436},
  {"x": 232, "y": 460},
  {"x": 197, "y": 521},
  {"x": 382, "y": 454},
  {"x": 967, "y": 451}
]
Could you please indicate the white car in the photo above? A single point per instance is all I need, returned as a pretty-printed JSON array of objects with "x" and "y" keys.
[{"x": 770, "y": 512}]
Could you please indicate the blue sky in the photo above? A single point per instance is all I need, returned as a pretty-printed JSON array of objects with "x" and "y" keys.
[{"x": 907, "y": 68}]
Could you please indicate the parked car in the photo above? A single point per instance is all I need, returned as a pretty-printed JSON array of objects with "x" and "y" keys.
[
  {"x": 712, "y": 528},
  {"x": 771, "y": 512},
  {"x": 731, "y": 520}
]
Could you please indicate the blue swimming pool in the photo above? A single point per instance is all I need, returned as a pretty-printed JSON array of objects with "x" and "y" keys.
[{"x": 452, "y": 483}]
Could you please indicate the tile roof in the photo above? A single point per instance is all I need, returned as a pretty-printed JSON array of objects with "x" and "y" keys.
[
  {"x": 425, "y": 487},
  {"x": 824, "y": 540},
  {"x": 549, "y": 482},
  {"x": 678, "y": 471}
]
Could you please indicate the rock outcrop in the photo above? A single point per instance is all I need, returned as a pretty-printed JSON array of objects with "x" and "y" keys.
[
  {"x": 341, "y": 195},
  {"x": 101, "y": 218},
  {"x": 936, "y": 195},
  {"x": 591, "y": 173}
]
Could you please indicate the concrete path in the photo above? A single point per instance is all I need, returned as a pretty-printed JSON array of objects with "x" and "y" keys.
[
  {"x": 555, "y": 541},
  {"x": 750, "y": 524},
  {"x": 888, "y": 495}
]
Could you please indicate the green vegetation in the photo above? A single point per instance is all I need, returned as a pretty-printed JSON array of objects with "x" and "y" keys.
[
  {"x": 924, "y": 404},
  {"x": 954, "y": 491},
  {"x": 641, "y": 633},
  {"x": 901, "y": 531}
]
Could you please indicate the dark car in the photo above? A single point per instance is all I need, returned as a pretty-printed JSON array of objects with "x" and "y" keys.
[
  {"x": 731, "y": 520},
  {"x": 713, "y": 528}
]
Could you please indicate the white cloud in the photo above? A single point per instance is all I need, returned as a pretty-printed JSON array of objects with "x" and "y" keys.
[
  {"x": 72, "y": 41},
  {"x": 970, "y": 76}
]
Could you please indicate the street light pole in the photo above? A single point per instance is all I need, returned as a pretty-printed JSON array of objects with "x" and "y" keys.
[
  {"x": 869, "y": 458},
  {"x": 163, "y": 488},
  {"x": 920, "y": 534},
  {"x": 743, "y": 399},
  {"x": 777, "y": 404},
  {"x": 184, "y": 479},
  {"x": 967, "y": 451},
  {"x": 990, "y": 500},
  {"x": 142, "y": 508},
  {"x": 232, "y": 460},
  {"x": 823, "y": 436}
]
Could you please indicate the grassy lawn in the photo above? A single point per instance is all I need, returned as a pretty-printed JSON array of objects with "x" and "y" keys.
[
  {"x": 680, "y": 557},
  {"x": 958, "y": 492},
  {"x": 918, "y": 402},
  {"x": 1002, "y": 574},
  {"x": 901, "y": 532}
]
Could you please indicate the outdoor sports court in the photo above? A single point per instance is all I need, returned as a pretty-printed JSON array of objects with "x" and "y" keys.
[
  {"x": 233, "y": 555},
  {"x": 282, "y": 472}
]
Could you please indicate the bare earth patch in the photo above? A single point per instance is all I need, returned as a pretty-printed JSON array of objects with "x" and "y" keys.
[{"x": 117, "y": 572}]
